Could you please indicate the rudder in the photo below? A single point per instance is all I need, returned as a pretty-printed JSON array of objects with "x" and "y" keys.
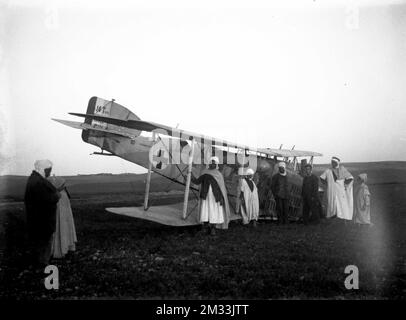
[{"x": 107, "y": 108}]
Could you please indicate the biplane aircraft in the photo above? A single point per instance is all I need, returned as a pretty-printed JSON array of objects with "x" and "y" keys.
[{"x": 177, "y": 154}]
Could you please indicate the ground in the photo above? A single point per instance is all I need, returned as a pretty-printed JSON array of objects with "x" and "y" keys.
[{"x": 121, "y": 257}]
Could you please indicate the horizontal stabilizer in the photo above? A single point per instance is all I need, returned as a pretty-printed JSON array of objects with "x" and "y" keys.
[
  {"x": 86, "y": 126},
  {"x": 72, "y": 124},
  {"x": 131, "y": 124}
]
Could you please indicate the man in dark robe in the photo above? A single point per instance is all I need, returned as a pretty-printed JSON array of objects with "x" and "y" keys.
[
  {"x": 310, "y": 196},
  {"x": 40, "y": 200},
  {"x": 281, "y": 189}
]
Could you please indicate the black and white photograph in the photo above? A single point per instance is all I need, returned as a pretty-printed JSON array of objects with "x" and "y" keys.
[{"x": 217, "y": 152}]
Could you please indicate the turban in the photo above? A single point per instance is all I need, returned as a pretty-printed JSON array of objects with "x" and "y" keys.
[
  {"x": 250, "y": 172},
  {"x": 335, "y": 159},
  {"x": 41, "y": 165},
  {"x": 245, "y": 171},
  {"x": 215, "y": 159},
  {"x": 282, "y": 164},
  {"x": 363, "y": 177}
]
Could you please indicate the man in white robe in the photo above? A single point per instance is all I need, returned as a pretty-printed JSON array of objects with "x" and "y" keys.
[
  {"x": 65, "y": 234},
  {"x": 214, "y": 208},
  {"x": 339, "y": 190},
  {"x": 249, "y": 204}
]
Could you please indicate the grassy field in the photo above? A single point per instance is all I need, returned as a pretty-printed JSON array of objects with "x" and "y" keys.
[
  {"x": 122, "y": 257},
  {"x": 85, "y": 186}
]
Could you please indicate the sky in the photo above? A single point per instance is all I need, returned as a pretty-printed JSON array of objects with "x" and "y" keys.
[{"x": 327, "y": 77}]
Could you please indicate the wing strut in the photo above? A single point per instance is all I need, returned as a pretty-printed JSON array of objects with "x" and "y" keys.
[
  {"x": 148, "y": 179},
  {"x": 189, "y": 174}
]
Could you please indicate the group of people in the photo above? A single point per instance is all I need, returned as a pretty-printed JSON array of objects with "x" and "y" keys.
[
  {"x": 51, "y": 226},
  {"x": 343, "y": 200},
  {"x": 50, "y": 223},
  {"x": 214, "y": 209}
]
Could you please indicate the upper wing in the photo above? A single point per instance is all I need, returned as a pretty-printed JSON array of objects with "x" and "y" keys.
[
  {"x": 186, "y": 135},
  {"x": 289, "y": 153}
]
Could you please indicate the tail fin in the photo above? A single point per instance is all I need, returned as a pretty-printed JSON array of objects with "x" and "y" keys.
[{"x": 99, "y": 106}]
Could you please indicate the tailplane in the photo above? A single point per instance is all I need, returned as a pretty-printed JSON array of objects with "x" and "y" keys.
[{"x": 111, "y": 109}]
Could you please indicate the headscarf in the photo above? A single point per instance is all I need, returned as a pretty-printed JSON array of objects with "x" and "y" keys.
[
  {"x": 245, "y": 171},
  {"x": 363, "y": 177},
  {"x": 215, "y": 159},
  {"x": 282, "y": 165},
  {"x": 41, "y": 165},
  {"x": 336, "y": 160},
  {"x": 250, "y": 172}
]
